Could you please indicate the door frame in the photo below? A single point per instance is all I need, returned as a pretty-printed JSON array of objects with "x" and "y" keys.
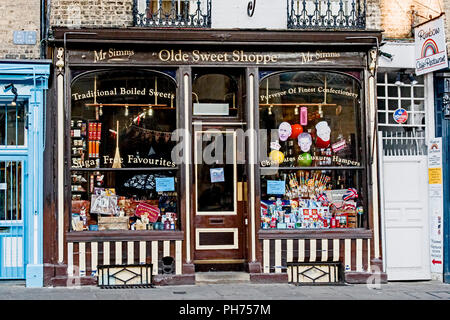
[{"x": 241, "y": 206}]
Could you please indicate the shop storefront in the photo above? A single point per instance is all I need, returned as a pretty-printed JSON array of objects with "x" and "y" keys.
[
  {"x": 231, "y": 150},
  {"x": 23, "y": 86}
]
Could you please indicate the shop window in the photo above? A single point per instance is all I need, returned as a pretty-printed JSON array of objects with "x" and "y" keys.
[
  {"x": 401, "y": 112},
  {"x": 311, "y": 155},
  {"x": 214, "y": 94},
  {"x": 122, "y": 174}
]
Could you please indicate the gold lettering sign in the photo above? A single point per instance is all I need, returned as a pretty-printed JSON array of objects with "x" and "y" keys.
[
  {"x": 203, "y": 56},
  {"x": 112, "y": 54},
  {"x": 121, "y": 91}
]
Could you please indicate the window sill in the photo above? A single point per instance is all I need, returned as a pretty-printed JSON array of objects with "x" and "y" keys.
[
  {"x": 124, "y": 235},
  {"x": 358, "y": 233}
]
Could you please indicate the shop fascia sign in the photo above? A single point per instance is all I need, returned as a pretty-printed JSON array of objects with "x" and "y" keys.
[
  {"x": 197, "y": 56},
  {"x": 430, "y": 46}
]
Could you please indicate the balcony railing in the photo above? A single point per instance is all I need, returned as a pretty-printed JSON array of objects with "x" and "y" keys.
[
  {"x": 172, "y": 13},
  {"x": 326, "y": 14}
]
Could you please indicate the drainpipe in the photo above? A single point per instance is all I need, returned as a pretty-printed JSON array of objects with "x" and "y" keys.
[{"x": 43, "y": 25}]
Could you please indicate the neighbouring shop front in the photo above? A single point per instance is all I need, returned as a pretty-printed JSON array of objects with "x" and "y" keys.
[
  {"x": 209, "y": 155},
  {"x": 22, "y": 111}
]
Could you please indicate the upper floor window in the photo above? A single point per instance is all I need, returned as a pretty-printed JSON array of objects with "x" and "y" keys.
[
  {"x": 172, "y": 13},
  {"x": 326, "y": 14}
]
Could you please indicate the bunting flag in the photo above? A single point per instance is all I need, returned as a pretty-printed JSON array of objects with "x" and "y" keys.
[
  {"x": 351, "y": 193},
  {"x": 323, "y": 198}
]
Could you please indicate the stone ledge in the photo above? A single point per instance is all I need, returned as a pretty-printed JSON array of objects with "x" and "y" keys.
[
  {"x": 268, "y": 278},
  {"x": 364, "y": 277},
  {"x": 173, "y": 280}
]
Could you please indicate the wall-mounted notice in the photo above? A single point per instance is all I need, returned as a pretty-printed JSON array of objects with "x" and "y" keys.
[{"x": 436, "y": 206}]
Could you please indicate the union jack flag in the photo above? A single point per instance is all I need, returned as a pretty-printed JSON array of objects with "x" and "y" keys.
[
  {"x": 323, "y": 198},
  {"x": 351, "y": 193}
]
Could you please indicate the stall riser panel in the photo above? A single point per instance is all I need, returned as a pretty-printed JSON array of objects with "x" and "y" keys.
[
  {"x": 84, "y": 257},
  {"x": 354, "y": 254}
]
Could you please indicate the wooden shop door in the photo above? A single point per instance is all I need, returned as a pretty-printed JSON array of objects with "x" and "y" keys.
[{"x": 218, "y": 205}]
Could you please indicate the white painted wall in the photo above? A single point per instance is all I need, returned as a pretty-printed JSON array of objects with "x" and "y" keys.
[
  {"x": 231, "y": 14},
  {"x": 402, "y": 55}
]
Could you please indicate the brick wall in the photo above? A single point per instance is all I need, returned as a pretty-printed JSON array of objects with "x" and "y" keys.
[
  {"x": 118, "y": 14},
  {"x": 91, "y": 13},
  {"x": 446, "y": 8},
  {"x": 397, "y": 15},
  {"x": 19, "y": 15},
  {"x": 373, "y": 13}
]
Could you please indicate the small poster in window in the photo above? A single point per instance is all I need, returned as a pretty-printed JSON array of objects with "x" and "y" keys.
[
  {"x": 165, "y": 184},
  {"x": 217, "y": 175},
  {"x": 276, "y": 187},
  {"x": 103, "y": 204},
  {"x": 147, "y": 210}
]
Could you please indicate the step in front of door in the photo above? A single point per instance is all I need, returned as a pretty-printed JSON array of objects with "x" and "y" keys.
[{"x": 221, "y": 277}]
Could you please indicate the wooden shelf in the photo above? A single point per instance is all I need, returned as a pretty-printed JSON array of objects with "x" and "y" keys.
[{"x": 124, "y": 235}]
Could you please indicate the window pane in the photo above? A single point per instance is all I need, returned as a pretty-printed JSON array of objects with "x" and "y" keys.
[
  {"x": 12, "y": 124},
  {"x": 381, "y": 117},
  {"x": 419, "y": 92},
  {"x": 214, "y": 94},
  {"x": 392, "y": 77},
  {"x": 291, "y": 102},
  {"x": 381, "y": 104},
  {"x": 126, "y": 122},
  {"x": 419, "y": 105},
  {"x": 309, "y": 119},
  {"x": 123, "y": 200},
  {"x": 393, "y": 91},
  {"x": 381, "y": 91},
  {"x": 123, "y": 121},
  {"x": 393, "y": 104},
  {"x": 380, "y": 77},
  {"x": 405, "y": 91}
]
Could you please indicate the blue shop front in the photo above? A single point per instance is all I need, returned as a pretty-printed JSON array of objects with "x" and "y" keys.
[
  {"x": 442, "y": 128},
  {"x": 23, "y": 86}
]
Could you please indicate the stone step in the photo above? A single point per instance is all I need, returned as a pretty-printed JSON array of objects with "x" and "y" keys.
[{"x": 221, "y": 277}]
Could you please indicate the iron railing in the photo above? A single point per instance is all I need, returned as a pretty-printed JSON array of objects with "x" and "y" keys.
[
  {"x": 326, "y": 14},
  {"x": 172, "y": 13}
]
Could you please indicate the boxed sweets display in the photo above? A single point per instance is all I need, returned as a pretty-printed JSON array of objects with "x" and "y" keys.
[
  {"x": 108, "y": 211},
  {"x": 309, "y": 202},
  {"x": 304, "y": 214}
]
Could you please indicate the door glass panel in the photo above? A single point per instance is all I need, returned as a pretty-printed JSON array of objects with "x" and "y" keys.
[
  {"x": 214, "y": 94},
  {"x": 216, "y": 172},
  {"x": 10, "y": 190},
  {"x": 12, "y": 124}
]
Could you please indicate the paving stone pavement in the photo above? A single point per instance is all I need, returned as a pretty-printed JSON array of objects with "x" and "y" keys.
[{"x": 430, "y": 290}]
